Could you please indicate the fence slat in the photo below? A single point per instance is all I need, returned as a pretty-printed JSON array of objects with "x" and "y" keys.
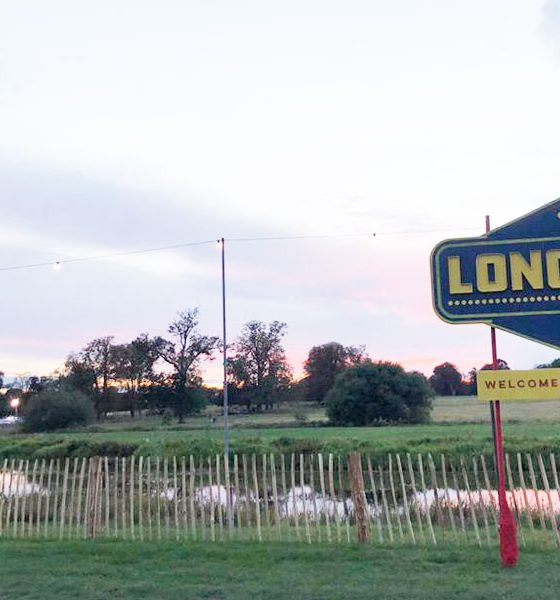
[
  {"x": 459, "y": 503},
  {"x": 202, "y": 499},
  {"x": 24, "y": 500},
  {"x": 304, "y": 497},
  {"x": 184, "y": 513},
  {"x": 229, "y": 497},
  {"x": 481, "y": 500},
  {"x": 525, "y": 499},
  {"x": 48, "y": 502},
  {"x": 321, "y": 467},
  {"x": 535, "y": 488},
  {"x": 63, "y": 503},
  {"x": 293, "y": 498},
  {"x": 79, "y": 498},
  {"x": 275, "y": 496},
  {"x": 435, "y": 488},
  {"x": 219, "y": 496},
  {"x": 342, "y": 494},
  {"x": 34, "y": 499},
  {"x": 140, "y": 498},
  {"x": 378, "y": 515},
  {"x": 471, "y": 503},
  {"x": 265, "y": 493},
  {"x": 426, "y": 505},
  {"x": 334, "y": 497},
  {"x": 385, "y": 504},
  {"x": 405, "y": 500},
  {"x": 447, "y": 499},
  {"x": 165, "y": 493},
  {"x": 517, "y": 511},
  {"x": 257, "y": 501},
  {"x": 551, "y": 515},
  {"x": 176, "y": 499},
  {"x": 192, "y": 475}
]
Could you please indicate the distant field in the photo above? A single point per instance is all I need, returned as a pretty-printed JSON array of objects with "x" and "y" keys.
[
  {"x": 39, "y": 570},
  {"x": 459, "y": 426}
]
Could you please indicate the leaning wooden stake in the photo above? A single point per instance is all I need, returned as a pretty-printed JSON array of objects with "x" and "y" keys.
[
  {"x": 378, "y": 511},
  {"x": 528, "y": 512},
  {"x": 17, "y": 492},
  {"x": 447, "y": 499},
  {"x": 184, "y": 514},
  {"x": 176, "y": 499},
  {"x": 385, "y": 504},
  {"x": 321, "y": 467},
  {"x": 303, "y": 495},
  {"x": 337, "y": 517},
  {"x": 396, "y": 510},
  {"x": 481, "y": 501},
  {"x": 140, "y": 499},
  {"x": 48, "y": 503},
  {"x": 535, "y": 491},
  {"x": 275, "y": 496},
  {"x": 517, "y": 511},
  {"x": 63, "y": 503},
  {"x": 80, "y": 495},
  {"x": 34, "y": 496},
  {"x": 192, "y": 475},
  {"x": 405, "y": 500},
  {"x": 471, "y": 503},
  {"x": 551, "y": 515},
  {"x": 257, "y": 501},
  {"x": 426, "y": 506},
  {"x": 316, "y": 519}
]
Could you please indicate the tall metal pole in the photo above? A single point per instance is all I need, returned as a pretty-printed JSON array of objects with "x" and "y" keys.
[
  {"x": 226, "y": 404},
  {"x": 507, "y": 531}
]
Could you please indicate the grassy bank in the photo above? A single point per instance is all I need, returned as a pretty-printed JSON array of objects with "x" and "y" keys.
[
  {"x": 453, "y": 440},
  {"x": 126, "y": 570},
  {"x": 460, "y": 427}
]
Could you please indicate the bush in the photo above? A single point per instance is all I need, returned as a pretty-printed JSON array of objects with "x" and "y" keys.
[
  {"x": 378, "y": 394},
  {"x": 56, "y": 409}
]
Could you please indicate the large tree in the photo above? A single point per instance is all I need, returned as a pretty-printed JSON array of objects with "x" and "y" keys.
[
  {"x": 94, "y": 365},
  {"x": 184, "y": 352},
  {"x": 323, "y": 364},
  {"x": 133, "y": 367},
  {"x": 447, "y": 380},
  {"x": 378, "y": 393},
  {"x": 259, "y": 369}
]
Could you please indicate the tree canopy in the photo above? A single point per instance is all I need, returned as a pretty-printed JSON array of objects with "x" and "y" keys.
[
  {"x": 258, "y": 368},
  {"x": 323, "y": 364},
  {"x": 378, "y": 393},
  {"x": 447, "y": 380}
]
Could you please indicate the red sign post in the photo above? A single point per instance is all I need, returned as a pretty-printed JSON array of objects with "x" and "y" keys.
[{"x": 509, "y": 551}]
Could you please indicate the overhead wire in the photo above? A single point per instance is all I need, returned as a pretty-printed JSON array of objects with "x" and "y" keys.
[{"x": 117, "y": 254}]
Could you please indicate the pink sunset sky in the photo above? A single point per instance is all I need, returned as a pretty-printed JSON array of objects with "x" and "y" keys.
[{"x": 131, "y": 125}]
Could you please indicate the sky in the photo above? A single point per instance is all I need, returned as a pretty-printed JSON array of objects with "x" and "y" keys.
[{"x": 128, "y": 125}]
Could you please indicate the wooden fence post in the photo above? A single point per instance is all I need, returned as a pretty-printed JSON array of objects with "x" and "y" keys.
[{"x": 358, "y": 495}]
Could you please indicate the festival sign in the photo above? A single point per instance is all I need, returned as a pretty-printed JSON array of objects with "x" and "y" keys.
[
  {"x": 536, "y": 384},
  {"x": 509, "y": 278}
]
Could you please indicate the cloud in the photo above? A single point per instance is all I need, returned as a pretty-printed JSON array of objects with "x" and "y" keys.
[{"x": 550, "y": 24}]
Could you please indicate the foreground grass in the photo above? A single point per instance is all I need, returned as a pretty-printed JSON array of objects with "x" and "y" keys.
[{"x": 126, "y": 570}]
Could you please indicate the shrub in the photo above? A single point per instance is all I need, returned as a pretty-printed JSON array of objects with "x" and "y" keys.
[
  {"x": 378, "y": 394},
  {"x": 56, "y": 409}
]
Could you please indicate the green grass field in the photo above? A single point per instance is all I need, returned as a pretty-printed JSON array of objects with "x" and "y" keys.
[{"x": 169, "y": 571}]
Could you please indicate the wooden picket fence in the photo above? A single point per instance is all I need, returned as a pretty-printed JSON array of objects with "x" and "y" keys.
[{"x": 410, "y": 499}]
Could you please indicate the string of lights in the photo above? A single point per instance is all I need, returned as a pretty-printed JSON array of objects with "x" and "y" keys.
[{"x": 58, "y": 263}]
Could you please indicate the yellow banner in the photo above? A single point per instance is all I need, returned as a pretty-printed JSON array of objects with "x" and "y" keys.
[{"x": 537, "y": 384}]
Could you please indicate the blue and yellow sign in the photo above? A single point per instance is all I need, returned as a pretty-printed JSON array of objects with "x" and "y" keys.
[{"x": 509, "y": 279}]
